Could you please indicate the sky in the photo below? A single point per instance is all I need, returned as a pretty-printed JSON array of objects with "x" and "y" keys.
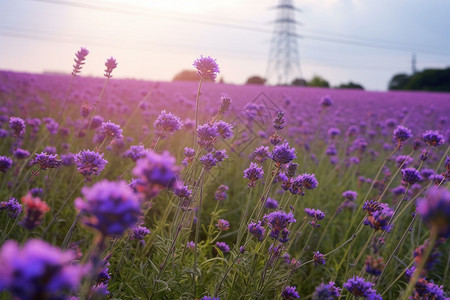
[{"x": 363, "y": 41}]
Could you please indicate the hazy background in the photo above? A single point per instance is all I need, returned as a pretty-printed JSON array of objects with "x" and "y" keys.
[{"x": 363, "y": 41}]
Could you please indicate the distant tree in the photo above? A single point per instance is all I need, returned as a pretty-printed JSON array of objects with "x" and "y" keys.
[
  {"x": 350, "y": 85},
  {"x": 398, "y": 82},
  {"x": 186, "y": 75},
  {"x": 318, "y": 81},
  {"x": 430, "y": 80},
  {"x": 256, "y": 80},
  {"x": 299, "y": 82}
]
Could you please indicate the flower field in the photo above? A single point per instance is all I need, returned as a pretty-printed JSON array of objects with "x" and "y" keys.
[{"x": 127, "y": 189}]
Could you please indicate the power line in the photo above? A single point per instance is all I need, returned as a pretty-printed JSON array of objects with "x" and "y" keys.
[{"x": 370, "y": 43}]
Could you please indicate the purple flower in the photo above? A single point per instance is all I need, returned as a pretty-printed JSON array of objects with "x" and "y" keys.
[
  {"x": 157, "y": 172},
  {"x": 17, "y": 126},
  {"x": 224, "y": 129},
  {"x": 271, "y": 203},
  {"x": 372, "y": 206},
  {"x": 110, "y": 64},
  {"x": 435, "y": 210},
  {"x": 359, "y": 287},
  {"x": 403, "y": 160},
  {"x": 90, "y": 163},
  {"x": 52, "y": 125},
  {"x": 207, "y": 136},
  {"x": 316, "y": 214},
  {"x": 261, "y": 154},
  {"x": 283, "y": 154},
  {"x": 309, "y": 181},
  {"x": 207, "y": 68},
  {"x": 5, "y": 163},
  {"x": 291, "y": 169},
  {"x": 410, "y": 176},
  {"x": 333, "y": 132},
  {"x": 290, "y": 293},
  {"x": 166, "y": 123},
  {"x": 112, "y": 130},
  {"x": 135, "y": 152},
  {"x": 209, "y": 298},
  {"x": 318, "y": 258},
  {"x": 257, "y": 230},
  {"x": 13, "y": 207},
  {"x": 50, "y": 150},
  {"x": 110, "y": 207},
  {"x": 401, "y": 134},
  {"x": 278, "y": 221},
  {"x": 374, "y": 266},
  {"x": 79, "y": 60},
  {"x": 253, "y": 173},
  {"x": 96, "y": 122},
  {"x": 190, "y": 245},
  {"x": 183, "y": 191},
  {"x": 433, "y": 138},
  {"x": 139, "y": 232},
  {"x": 279, "y": 121},
  {"x": 225, "y": 104},
  {"x": 221, "y": 193},
  {"x": 223, "y": 225},
  {"x": 331, "y": 150},
  {"x": 220, "y": 155},
  {"x": 350, "y": 195},
  {"x": 46, "y": 161},
  {"x": 327, "y": 291},
  {"x": 21, "y": 153},
  {"x": 37, "y": 269},
  {"x": 208, "y": 161},
  {"x": 35, "y": 209},
  {"x": 379, "y": 219},
  {"x": 222, "y": 246}
]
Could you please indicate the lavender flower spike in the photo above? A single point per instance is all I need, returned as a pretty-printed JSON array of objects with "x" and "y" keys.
[
  {"x": 79, "y": 60},
  {"x": 110, "y": 64},
  {"x": 207, "y": 68}
]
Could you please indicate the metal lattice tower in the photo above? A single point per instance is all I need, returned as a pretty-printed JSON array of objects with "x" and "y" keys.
[{"x": 284, "y": 58}]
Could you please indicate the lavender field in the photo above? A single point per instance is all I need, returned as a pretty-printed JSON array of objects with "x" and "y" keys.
[{"x": 128, "y": 189}]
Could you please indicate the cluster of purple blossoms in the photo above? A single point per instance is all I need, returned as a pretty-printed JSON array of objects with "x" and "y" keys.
[
  {"x": 371, "y": 206},
  {"x": 271, "y": 203},
  {"x": 278, "y": 122},
  {"x": 222, "y": 246},
  {"x": 51, "y": 125},
  {"x": 112, "y": 130},
  {"x": 207, "y": 135},
  {"x": 79, "y": 60},
  {"x": 253, "y": 173},
  {"x": 5, "y": 163},
  {"x": 166, "y": 123},
  {"x": 157, "y": 172},
  {"x": 96, "y": 122},
  {"x": 410, "y": 176},
  {"x": 331, "y": 150},
  {"x": 403, "y": 160},
  {"x": 208, "y": 161},
  {"x": 318, "y": 258},
  {"x": 261, "y": 154},
  {"x": 374, "y": 265},
  {"x": 359, "y": 287},
  {"x": 290, "y": 293},
  {"x": 207, "y": 68},
  {"x": 257, "y": 230},
  {"x": 135, "y": 152},
  {"x": 333, "y": 132},
  {"x": 17, "y": 126},
  {"x": 110, "y": 65},
  {"x": 38, "y": 269},
  {"x": 110, "y": 207},
  {"x": 278, "y": 221},
  {"x": 282, "y": 154},
  {"x": 327, "y": 291},
  {"x": 21, "y": 153},
  {"x": 46, "y": 161},
  {"x": 221, "y": 193},
  {"x": 182, "y": 191},
  {"x": 401, "y": 134},
  {"x": 316, "y": 214},
  {"x": 224, "y": 129},
  {"x": 189, "y": 153},
  {"x": 379, "y": 220},
  {"x": 139, "y": 232},
  {"x": 50, "y": 150},
  {"x": 291, "y": 169},
  {"x": 225, "y": 104},
  {"x": 12, "y": 206},
  {"x": 223, "y": 225},
  {"x": 302, "y": 182},
  {"x": 209, "y": 298},
  {"x": 90, "y": 163},
  {"x": 433, "y": 138},
  {"x": 326, "y": 101},
  {"x": 190, "y": 245},
  {"x": 350, "y": 195},
  {"x": 435, "y": 210}
]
